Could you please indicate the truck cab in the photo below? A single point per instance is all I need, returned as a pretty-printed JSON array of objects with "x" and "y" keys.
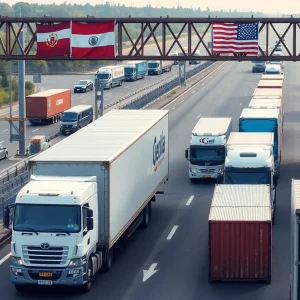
[
  {"x": 245, "y": 164},
  {"x": 38, "y": 144},
  {"x": 206, "y": 154},
  {"x": 53, "y": 231}
]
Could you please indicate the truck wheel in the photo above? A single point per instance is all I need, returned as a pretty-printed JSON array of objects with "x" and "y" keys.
[
  {"x": 110, "y": 86},
  {"x": 88, "y": 285},
  {"x": 109, "y": 257},
  {"x": 146, "y": 216},
  {"x": 19, "y": 287},
  {"x": 121, "y": 83}
]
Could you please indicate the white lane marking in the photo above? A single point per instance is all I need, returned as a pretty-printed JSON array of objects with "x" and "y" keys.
[
  {"x": 35, "y": 130},
  {"x": 172, "y": 232},
  {"x": 174, "y": 107},
  {"x": 6, "y": 257},
  {"x": 194, "y": 92},
  {"x": 199, "y": 116},
  {"x": 109, "y": 94},
  {"x": 182, "y": 101},
  {"x": 190, "y": 200},
  {"x": 1, "y": 142},
  {"x": 241, "y": 103},
  {"x": 5, "y": 130},
  {"x": 126, "y": 87},
  {"x": 200, "y": 81}
]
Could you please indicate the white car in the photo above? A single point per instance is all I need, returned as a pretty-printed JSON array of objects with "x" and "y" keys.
[
  {"x": 273, "y": 69},
  {"x": 3, "y": 152}
]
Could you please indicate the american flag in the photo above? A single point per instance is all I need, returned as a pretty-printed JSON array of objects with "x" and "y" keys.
[{"x": 241, "y": 38}]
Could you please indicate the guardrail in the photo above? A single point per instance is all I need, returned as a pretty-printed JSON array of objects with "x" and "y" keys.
[
  {"x": 141, "y": 101},
  {"x": 15, "y": 177}
]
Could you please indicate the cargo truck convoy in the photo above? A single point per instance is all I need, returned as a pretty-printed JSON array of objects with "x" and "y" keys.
[
  {"x": 250, "y": 160},
  {"x": 47, "y": 106},
  {"x": 206, "y": 154},
  {"x": 240, "y": 234},
  {"x": 68, "y": 218},
  {"x": 157, "y": 67},
  {"x": 264, "y": 120},
  {"x": 135, "y": 70},
  {"x": 111, "y": 76}
]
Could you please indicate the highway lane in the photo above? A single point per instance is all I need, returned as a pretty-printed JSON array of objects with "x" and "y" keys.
[{"x": 182, "y": 260}]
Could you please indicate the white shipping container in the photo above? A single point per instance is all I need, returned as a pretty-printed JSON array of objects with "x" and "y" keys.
[{"x": 128, "y": 151}]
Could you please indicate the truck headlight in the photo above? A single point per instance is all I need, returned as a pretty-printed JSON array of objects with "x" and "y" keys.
[
  {"x": 193, "y": 170},
  {"x": 74, "y": 126},
  {"x": 17, "y": 260},
  {"x": 77, "y": 262}
]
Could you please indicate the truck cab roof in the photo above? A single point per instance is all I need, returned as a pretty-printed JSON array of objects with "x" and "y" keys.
[
  {"x": 249, "y": 156},
  {"x": 212, "y": 127},
  {"x": 43, "y": 187}
]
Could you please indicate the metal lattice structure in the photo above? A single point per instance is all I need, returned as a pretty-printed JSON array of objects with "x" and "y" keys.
[{"x": 191, "y": 35}]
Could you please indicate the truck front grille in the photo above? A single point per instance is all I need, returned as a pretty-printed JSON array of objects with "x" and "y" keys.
[
  {"x": 208, "y": 171},
  {"x": 35, "y": 255}
]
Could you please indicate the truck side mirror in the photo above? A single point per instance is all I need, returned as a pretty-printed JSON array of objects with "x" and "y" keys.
[
  {"x": 90, "y": 213},
  {"x": 47, "y": 140},
  {"x": 187, "y": 154},
  {"x": 6, "y": 218},
  {"x": 90, "y": 224}
]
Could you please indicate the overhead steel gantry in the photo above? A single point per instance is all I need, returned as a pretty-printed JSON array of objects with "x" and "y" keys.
[{"x": 191, "y": 34}]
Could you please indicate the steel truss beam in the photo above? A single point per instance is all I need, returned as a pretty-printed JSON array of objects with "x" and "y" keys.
[{"x": 191, "y": 34}]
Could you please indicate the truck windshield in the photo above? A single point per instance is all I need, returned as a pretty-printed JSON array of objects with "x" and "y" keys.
[
  {"x": 207, "y": 156},
  {"x": 128, "y": 71},
  {"x": 69, "y": 117},
  {"x": 153, "y": 65},
  {"x": 47, "y": 218},
  {"x": 261, "y": 125},
  {"x": 247, "y": 178},
  {"x": 103, "y": 76}
]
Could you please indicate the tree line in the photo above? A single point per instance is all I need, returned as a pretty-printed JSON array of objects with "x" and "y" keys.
[{"x": 110, "y": 11}]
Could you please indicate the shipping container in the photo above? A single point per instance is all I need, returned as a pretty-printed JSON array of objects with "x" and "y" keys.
[
  {"x": 47, "y": 105},
  {"x": 263, "y": 83},
  {"x": 240, "y": 233},
  {"x": 272, "y": 77}
]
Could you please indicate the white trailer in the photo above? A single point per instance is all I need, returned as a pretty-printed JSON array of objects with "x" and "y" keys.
[
  {"x": 85, "y": 193},
  {"x": 157, "y": 67},
  {"x": 111, "y": 76},
  {"x": 206, "y": 154}
]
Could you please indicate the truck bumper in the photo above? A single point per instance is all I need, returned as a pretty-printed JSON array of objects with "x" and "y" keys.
[
  {"x": 26, "y": 276},
  {"x": 153, "y": 72},
  {"x": 203, "y": 175}
]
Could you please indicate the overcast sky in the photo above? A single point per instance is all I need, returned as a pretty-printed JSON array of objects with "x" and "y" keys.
[{"x": 271, "y": 6}]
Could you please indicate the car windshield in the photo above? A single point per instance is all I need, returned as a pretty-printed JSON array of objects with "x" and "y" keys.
[
  {"x": 153, "y": 65},
  {"x": 207, "y": 156},
  {"x": 82, "y": 82},
  {"x": 47, "y": 218},
  {"x": 275, "y": 62},
  {"x": 69, "y": 117},
  {"x": 247, "y": 178},
  {"x": 102, "y": 76}
]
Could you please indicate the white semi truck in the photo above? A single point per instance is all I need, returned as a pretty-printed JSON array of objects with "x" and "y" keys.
[
  {"x": 250, "y": 160},
  {"x": 206, "y": 154},
  {"x": 85, "y": 193}
]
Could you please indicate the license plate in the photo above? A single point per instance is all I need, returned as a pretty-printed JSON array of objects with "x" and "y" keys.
[
  {"x": 45, "y": 274},
  {"x": 206, "y": 176},
  {"x": 45, "y": 282}
]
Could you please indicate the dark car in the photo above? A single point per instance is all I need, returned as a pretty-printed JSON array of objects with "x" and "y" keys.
[{"x": 83, "y": 86}]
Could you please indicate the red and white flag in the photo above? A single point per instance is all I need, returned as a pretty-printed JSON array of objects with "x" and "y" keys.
[
  {"x": 93, "y": 40},
  {"x": 53, "y": 40}
]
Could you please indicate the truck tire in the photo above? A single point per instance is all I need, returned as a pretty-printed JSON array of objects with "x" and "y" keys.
[
  {"x": 88, "y": 285},
  {"x": 108, "y": 261},
  {"x": 121, "y": 82},
  {"x": 146, "y": 216}
]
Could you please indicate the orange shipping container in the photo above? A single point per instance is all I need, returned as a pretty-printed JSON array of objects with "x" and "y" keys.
[
  {"x": 47, "y": 105},
  {"x": 240, "y": 233}
]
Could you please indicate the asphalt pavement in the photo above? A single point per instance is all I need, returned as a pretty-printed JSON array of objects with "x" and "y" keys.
[{"x": 176, "y": 242}]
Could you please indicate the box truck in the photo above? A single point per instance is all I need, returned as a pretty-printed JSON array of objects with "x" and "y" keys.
[
  {"x": 250, "y": 160},
  {"x": 47, "y": 106},
  {"x": 240, "y": 234},
  {"x": 295, "y": 238},
  {"x": 272, "y": 77},
  {"x": 264, "y": 120},
  {"x": 206, "y": 153},
  {"x": 269, "y": 84},
  {"x": 157, "y": 67},
  {"x": 85, "y": 193},
  {"x": 111, "y": 76},
  {"x": 135, "y": 70}
]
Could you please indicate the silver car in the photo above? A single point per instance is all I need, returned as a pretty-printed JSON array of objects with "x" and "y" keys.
[{"x": 3, "y": 152}]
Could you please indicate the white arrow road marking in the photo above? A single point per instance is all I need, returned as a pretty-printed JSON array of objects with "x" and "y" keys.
[{"x": 148, "y": 273}]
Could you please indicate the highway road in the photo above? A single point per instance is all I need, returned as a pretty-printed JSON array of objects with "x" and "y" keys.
[
  {"x": 68, "y": 81},
  {"x": 177, "y": 238}
]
